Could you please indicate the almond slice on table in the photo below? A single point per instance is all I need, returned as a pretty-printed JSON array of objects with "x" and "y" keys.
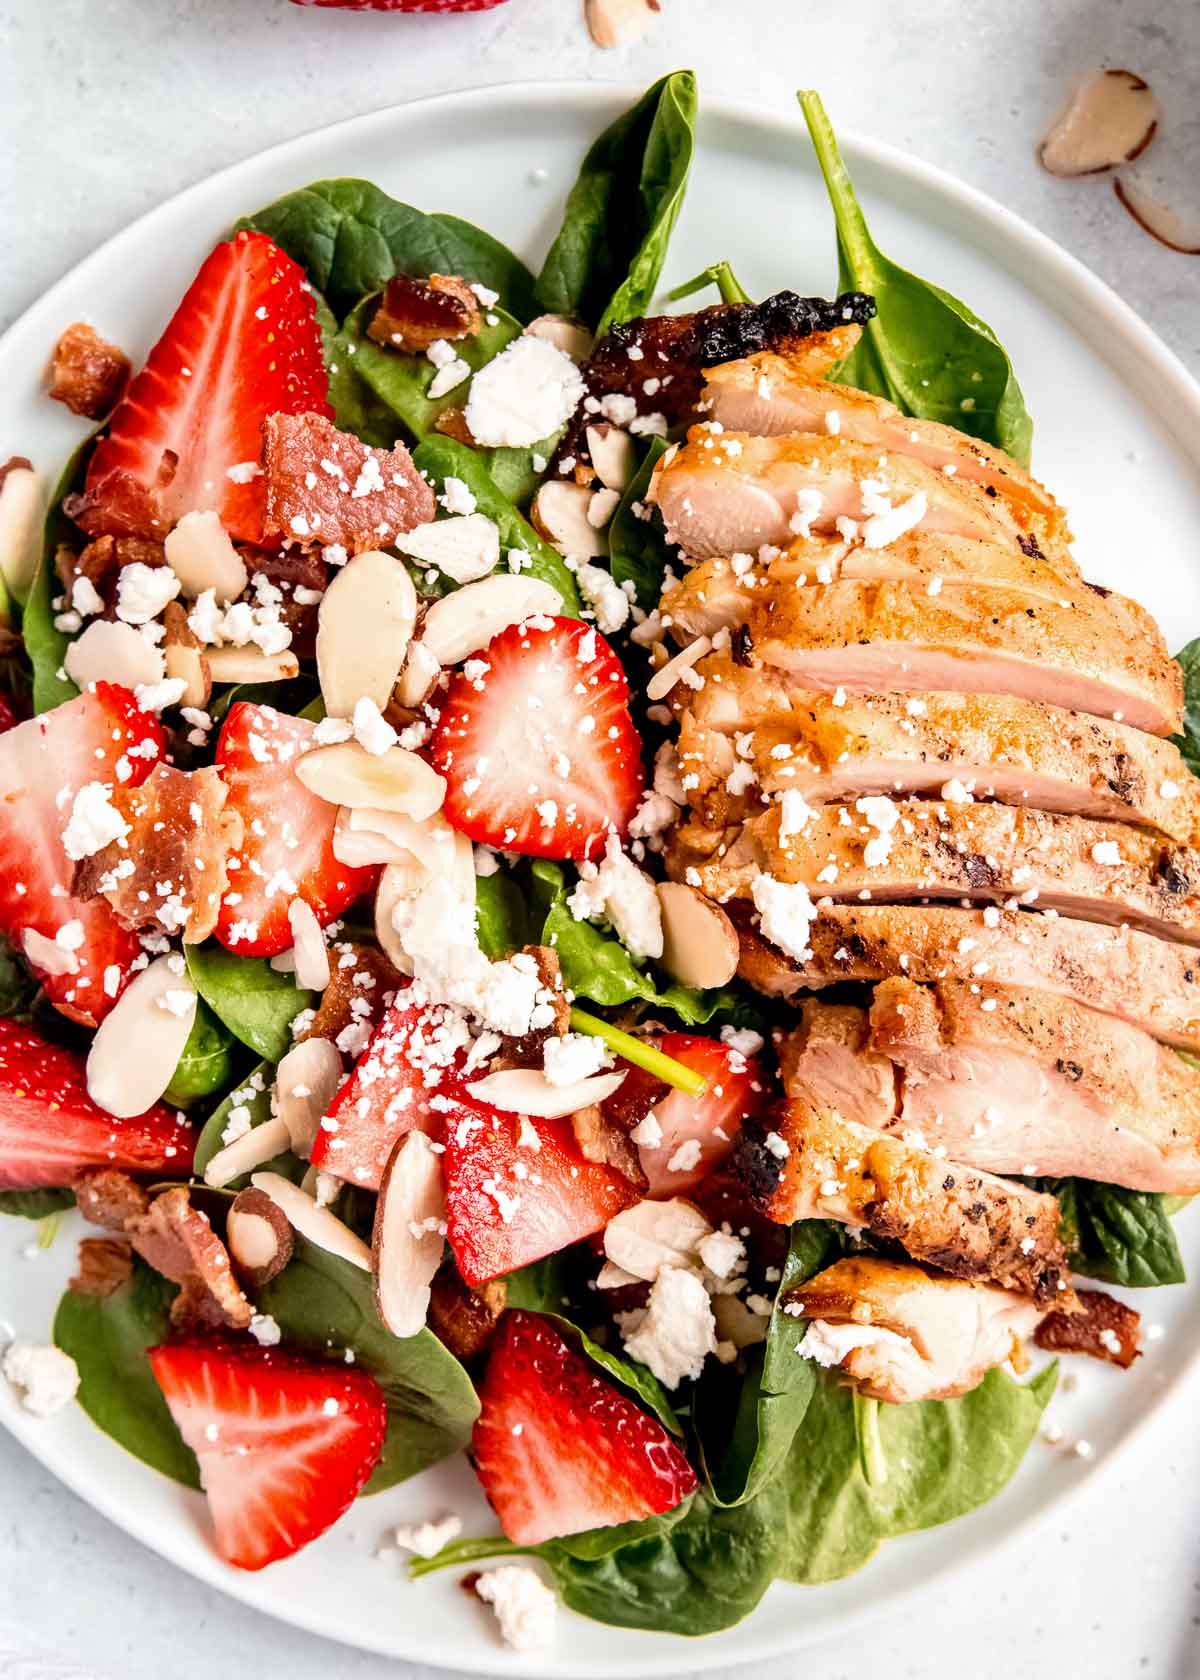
[
  {"x": 139, "y": 1042},
  {"x": 617, "y": 23},
  {"x": 700, "y": 946},
  {"x": 258, "y": 1237},
  {"x": 306, "y": 1082},
  {"x": 466, "y": 546},
  {"x": 22, "y": 508},
  {"x": 364, "y": 625},
  {"x": 316, "y": 1223},
  {"x": 528, "y": 1091},
  {"x": 112, "y": 651},
  {"x": 571, "y": 337},
  {"x": 560, "y": 514},
  {"x": 396, "y": 780},
  {"x": 1111, "y": 118},
  {"x": 253, "y": 1149},
  {"x": 250, "y": 665},
  {"x": 407, "y": 1240},
  {"x": 611, "y": 452},
  {"x": 465, "y": 621},
  {"x": 200, "y": 552}
]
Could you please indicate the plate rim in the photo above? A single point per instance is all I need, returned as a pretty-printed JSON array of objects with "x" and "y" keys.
[{"x": 1132, "y": 334}]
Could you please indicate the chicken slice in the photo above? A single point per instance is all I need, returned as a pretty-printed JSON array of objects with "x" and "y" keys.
[
  {"x": 988, "y": 746},
  {"x": 1139, "y": 979},
  {"x": 1023, "y": 1081},
  {"x": 728, "y": 493},
  {"x": 886, "y": 851},
  {"x": 1101, "y": 656},
  {"x": 769, "y": 395},
  {"x": 827, "y": 1061},
  {"x": 901, "y": 1333},
  {"x": 802, "y": 1162}
]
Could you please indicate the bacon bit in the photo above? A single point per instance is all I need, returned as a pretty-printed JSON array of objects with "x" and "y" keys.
[
  {"x": 86, "y": 372},
  {"x": 177, "y": 1240},
  {"x": 1103, "y": 1328},
  {"x": 465, "y": 1319},
  {"x": 335, "y": 1014},
  {"x": 169, "y": 871},
  {"x": 101, "y": 561},
  {"x": 1156, "y": 220},
  {"x": 105, "y": 1263},
  {"x": 602, "y": 1140},
  {"x": 109, "y": 1197},
  {"x": 325, "y": 486},
  {"x": 527, "y": 1051},
  {"x": 723, "y": 1200},
  {"x": 415, "y": 313},
  {"x": 299, "y": 567},
  {"x": 452, "y": 423}
]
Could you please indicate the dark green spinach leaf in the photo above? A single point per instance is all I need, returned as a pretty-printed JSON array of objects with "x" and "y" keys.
[
  {"x": 1188, "y": 743},
  {"x": 1121, "y": 1236},
  {"x": 45, "y": 645},
  {"x": 35, "y": 1204},
  {"x": 17, "y": 987},
  {"x": 501, "y": 921},
  {"x": 356, "y": 408},
  {"x": 206, "y": 1064},
  {"x": 255, "y": 1003},
  {"x": 253, "y": 1093},
  {"x": 637, "y": 544}
]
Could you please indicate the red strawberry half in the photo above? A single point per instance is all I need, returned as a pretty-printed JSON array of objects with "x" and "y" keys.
[
  {"x": 101, "y": 736},
  {"x": 244, "y": 343},
  {"x": 538, "y": 749},
  {"x": 388, "y": 1093},
  {"x": 560, "y": 1450},
  {"x": 697, "y": 1132},
  {"x": 50, "y": 1129},
  {"x": 287, "y": 844},
  {"x": 518, "y": 1189},
  {"x": 284, "y": 1443}
]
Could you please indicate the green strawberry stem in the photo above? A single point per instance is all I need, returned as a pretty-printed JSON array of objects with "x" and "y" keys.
[{"x": 640, "y": 1054}]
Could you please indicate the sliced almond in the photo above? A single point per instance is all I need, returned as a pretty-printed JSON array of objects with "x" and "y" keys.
[
  {"x": 399, "y": 881},
  {"x": 407, "y": 1240},
  {"x": 139, "y": 1042},
  {"x": 528, "y": 1091},
  {"x": 306, "y": 1082},
  {"x": 258, "y": 1237},
  {"x": 190, "y": 666},
  {"x": 1159, "y": 220},
  {"x": 47, "y": 954},
  {"x": 396, "y": 780},
  {"x": 664, "y": 679},
  {"x": 571, "y": 337},
  {"x": 601, "y": 507},
  {"x": 466, "y": 546},
  {"x": 364, "y": 625},
  {"x": 22, "y": 508},
  {"x": 311, "y": 956},
  {"x": 560, "y": 514},
  {"x": 250, "y": 665},
  {"x": 1110, "y": 118},
  {"x": 316, "y": 1223},
  {"x": 700, "y": 946},
  {"x": 253, "y": 1149},
  {"x": 201, "y": 554},
  {"x": 112, "y": 651},
  {"x": 432, "y": 842},
  {"x": 616, "y": 23},
  {"x": 465, "y": 621},
  {"x": 644, "y": 1238},
  {"x": 363, "y": 848},
  {"x": 416, "y": 681},
  {"x": 612, "y": 453}
]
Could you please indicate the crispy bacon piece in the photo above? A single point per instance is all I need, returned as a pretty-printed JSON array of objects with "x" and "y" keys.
[
  {"x": 297, "y": 568},
  {"x": 356, "y": 971},
  {"x": 178, "y": 1240},
  {"x": 109, "y": 1197},
  {"x": 100, "y": 562},
  {"x": 601, "y": 1139},
  {"x": 105, "y": 1263},
  {"x": 414, "y": 313},
  {"x": 465, "y": 1319},
  {"x": 86, "y": 372},
  {"x": 1103, "y": 1328},
  {"x": 169, "y": 871},
  {"x": 325, "y": 486}
]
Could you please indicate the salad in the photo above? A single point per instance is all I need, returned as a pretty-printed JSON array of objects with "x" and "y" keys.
[{"x": 589, "y": 887}]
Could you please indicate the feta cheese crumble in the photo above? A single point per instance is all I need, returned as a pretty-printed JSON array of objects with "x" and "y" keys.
[{"x": 523, "y": 395}]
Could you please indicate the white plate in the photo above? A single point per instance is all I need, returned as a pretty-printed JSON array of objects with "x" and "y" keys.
[{"x": 1118, "y": 440}]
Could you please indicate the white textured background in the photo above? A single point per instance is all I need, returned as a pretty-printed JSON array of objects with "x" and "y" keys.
[{"x": 109, "y": 106}]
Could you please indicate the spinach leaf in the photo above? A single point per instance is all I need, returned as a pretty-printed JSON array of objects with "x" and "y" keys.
[
  {"x": 253, "y": 1093},
  {"x": 605, "y": 261},
  {"x": 1120, "y": 1236},
  {"x": 108, "y": 1340},
  {"x": 17, "y": 987},
  {"x": 440, "y": 458},
  {"x": 637, "y": 543},
  {"x": 324, "y": 1304},
  {"x": 500, "y": 919},
  {"x": 1188, "y": 743},
  {"x": 35, "y": 1204},
  {"x": 925, "y": 350},
  {"x": 356, "y": 407},
  {"x": 255, "y": 1003},
  {"x": 206, "y": 1063},
  {"x": 45, "y": 645},
  {"x": 350, "y": 237}
]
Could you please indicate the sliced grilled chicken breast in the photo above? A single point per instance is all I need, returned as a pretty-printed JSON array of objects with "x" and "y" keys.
[
  {"x": 1104, "y": 657},
  {"x": 769, "y": 395},
  {"x": 1145, "y": 981},
  {"x": 991, "y": 746},
  {"x": 827, "y": 1061},
  {"x": 801, "y": 1162},
  {"x": 1022, "y": 1081},
  {"x": 941, "y": 1334},
  {"x": 890, "y": 851},
  {"x": 728, "y": 493}
]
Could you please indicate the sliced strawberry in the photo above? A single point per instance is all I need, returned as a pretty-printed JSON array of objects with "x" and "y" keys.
[
  {"x": 411, "y": 1053},
  {"x": 558, "y": 1449},
  {"x": 50, "y": 1129},
  {"x": 101, "y": 736},
  {"x": 284, "y": 1443},
  {"x": 244, "y": 343},
  {"x": 518, "y": 1188},
  {"x": 736, "y": 1087},
  {"x": 538, "y": 748},
  {"x": 9, "y": 715},
  {"x": 287, "y": 844}
]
